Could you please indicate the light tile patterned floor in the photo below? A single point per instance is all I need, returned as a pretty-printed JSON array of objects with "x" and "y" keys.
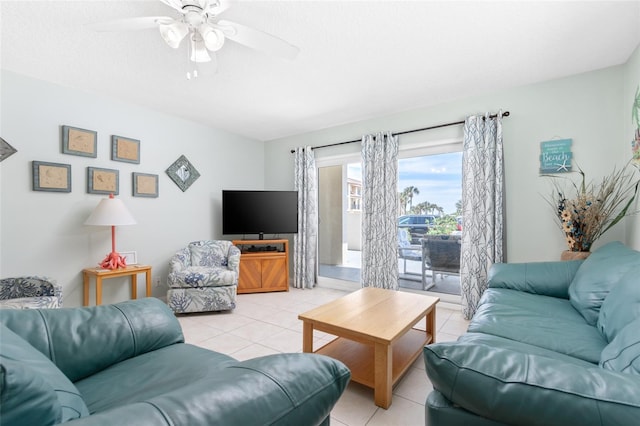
[{"x": 267, "y": 323}]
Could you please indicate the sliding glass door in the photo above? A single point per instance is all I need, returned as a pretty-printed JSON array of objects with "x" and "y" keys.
[{"x": 429, "y": 189}]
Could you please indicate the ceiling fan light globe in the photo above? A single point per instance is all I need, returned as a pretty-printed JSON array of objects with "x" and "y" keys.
[
  {"x": 173, "y": 33},
  {"x": 213, "y": 37},
  {"x": 199, "y": 53}
]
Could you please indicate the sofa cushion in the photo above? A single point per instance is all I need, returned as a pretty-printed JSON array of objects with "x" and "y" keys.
[
  {"x": 209, "y": 253},
  {"x": 516, "y": 346},
  {"x": 623, "y": 353},
  {"x": 622, "y": 305},
  {"x": 597, "y": 275},
  {"x": 22, "y": 364},
  {"x": 202, "y": 276},
  {"x": 149, "y": 375},
  {"x": 543, "y": 321},
  {"x": 544, "y": 278}
]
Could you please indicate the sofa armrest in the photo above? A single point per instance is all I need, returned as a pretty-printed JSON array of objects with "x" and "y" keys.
[
  {"x": 29, "y": 286},
  {"x": 180, "y": 260},
  {"x": 83, "y": 341},
  {"x": 528, "y": 389},
  {"x": 544, "y": 278}
]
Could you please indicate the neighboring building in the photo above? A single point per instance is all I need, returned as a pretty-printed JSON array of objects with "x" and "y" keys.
[{"x": 354, "y": 189}]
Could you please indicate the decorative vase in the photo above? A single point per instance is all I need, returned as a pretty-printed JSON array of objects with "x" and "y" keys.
[{"x": 574, "y": 255}]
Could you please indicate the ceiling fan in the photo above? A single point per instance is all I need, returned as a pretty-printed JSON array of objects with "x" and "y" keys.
[{"x": 198, "y": 22}]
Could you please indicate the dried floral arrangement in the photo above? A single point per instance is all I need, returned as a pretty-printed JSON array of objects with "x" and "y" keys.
[{"x": 585, "y": 211}]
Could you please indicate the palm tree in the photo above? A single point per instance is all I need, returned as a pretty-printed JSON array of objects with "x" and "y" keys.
[
  {"x": 410, "y": 191},
  {"x": 402, "y": 203},
  {"x": 422, "y": 208},
  {"x": 459, "y": 207}
]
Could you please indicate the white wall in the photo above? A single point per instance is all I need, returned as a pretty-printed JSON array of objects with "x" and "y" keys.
[
  {"x": 586, "y": 107},
  {"x": 631, "y": 84},
  {"x": 43, "y": 232}
]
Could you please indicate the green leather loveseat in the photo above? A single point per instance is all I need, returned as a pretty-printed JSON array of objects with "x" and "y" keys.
[
  {"x": 552, "y": 343},
  {"x": 128, "y": 364}
]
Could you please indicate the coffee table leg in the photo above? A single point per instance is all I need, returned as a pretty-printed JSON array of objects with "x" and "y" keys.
[
  {"x": 383, "y": 379},
  {"x": 307, "y": 337},
  {"x": 431, "y": 324}
]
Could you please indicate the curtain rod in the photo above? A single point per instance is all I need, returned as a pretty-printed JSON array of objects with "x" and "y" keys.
[{"x": 437, "y": 126}]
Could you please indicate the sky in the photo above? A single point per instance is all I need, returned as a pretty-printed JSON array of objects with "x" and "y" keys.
[{"x": 437, "y": 177}]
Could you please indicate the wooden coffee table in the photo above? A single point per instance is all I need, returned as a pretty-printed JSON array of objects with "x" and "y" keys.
[{"x": 376, "y": 340}]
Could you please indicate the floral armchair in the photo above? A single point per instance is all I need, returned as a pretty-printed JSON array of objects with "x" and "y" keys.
[
  {"x": 204, "y": 277},
  {"x": 30, "y": 292}
]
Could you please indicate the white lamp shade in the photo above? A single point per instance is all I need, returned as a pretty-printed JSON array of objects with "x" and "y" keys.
[
  {"x": 173, "y": 33},
  {"x": 110, "y": 212},
  {"x": 213, "y": 37}
]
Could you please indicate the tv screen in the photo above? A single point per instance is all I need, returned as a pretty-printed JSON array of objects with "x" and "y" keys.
[{"x": 259, "y": 212}]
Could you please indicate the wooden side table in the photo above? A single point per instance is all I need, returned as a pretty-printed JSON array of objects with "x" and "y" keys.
[{"x": 100, "y": 274}]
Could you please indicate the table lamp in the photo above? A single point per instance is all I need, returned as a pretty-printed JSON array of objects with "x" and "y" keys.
[{"x": 111, "y": 212}]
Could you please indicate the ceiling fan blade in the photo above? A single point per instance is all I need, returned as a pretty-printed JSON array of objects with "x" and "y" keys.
[
  {"x": 131, "y": 24},
  {"x": 258, "y": 40},
  {"x": 176, "y": 4}
]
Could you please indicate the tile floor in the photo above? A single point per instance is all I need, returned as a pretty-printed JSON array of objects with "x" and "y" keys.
[{"x": 268, "y": 323}]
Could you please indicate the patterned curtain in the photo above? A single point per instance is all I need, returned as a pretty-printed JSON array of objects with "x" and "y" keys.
[
  {"x": 380, "y": 211},
  {"x": 305, "y": 242},
  {"x": 482, "y": 206}
]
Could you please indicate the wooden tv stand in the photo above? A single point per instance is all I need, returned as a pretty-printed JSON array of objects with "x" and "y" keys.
[{"x": 264, "y": 265}]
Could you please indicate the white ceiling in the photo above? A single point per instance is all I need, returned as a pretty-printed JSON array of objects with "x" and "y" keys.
[{"x": 358, "y": 59}]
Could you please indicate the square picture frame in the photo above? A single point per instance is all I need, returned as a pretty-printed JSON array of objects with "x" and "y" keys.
[
  {"x": 51, "y": 177},
  {"x": 182, "y": 173},
  {"x": 77, "y": 141},
  {"x": 103, "y": 181},
  {"x": 131, "y": 257},
  {"x": 145, "y": 185},
  {"x": 125, "y": 149}
]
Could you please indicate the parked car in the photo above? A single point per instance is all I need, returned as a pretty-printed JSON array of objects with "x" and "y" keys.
[{"x": 418, "y": 225}]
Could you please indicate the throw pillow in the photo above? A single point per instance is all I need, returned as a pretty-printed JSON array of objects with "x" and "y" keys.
[
  {"x": 16, "y": 352},
  {"x": 596, "y": 277},
  {"x": 623, "y": 353},
  {"x": 622, "y": 305}
]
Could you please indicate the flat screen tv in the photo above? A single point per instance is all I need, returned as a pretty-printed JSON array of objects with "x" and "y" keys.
[{"x": 259, "y": 212}]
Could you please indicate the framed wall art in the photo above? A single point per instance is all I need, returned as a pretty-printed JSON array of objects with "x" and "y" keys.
[
  {"x": 125, "y": 149},
  {"x": 183, "y": 173},
  {"x": 102, "y": 181},
  {"x": 6, "y": 150},
  {"x": 76, "y": 141},
  {"x": 131, "y": 257},
  {"x": 555, "y": 156},
  {"x": 145, "y": 185},
  {"x": 51, "y": 177}
]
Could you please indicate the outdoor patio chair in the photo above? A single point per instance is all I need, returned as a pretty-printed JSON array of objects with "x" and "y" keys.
[
  {"x": 406, "y": 250},
  {"x": 440, "y": 255}
]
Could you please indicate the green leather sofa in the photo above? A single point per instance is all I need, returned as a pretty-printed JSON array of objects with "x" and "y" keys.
[
  {"x": 552, "y": 343},
  {"x": 127, "y": 363}
]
